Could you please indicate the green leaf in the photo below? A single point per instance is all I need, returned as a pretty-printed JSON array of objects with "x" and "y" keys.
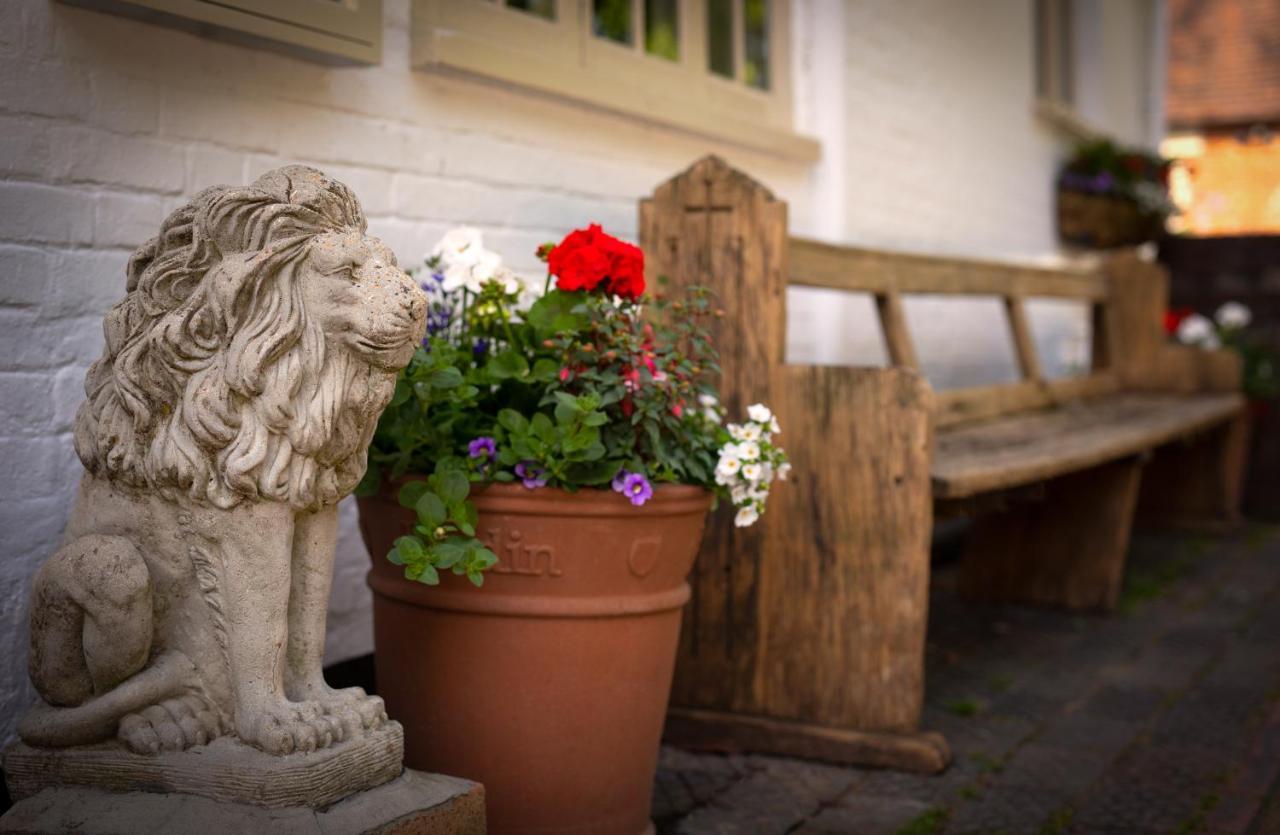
[
  {"x": 431, "y": 511},
  {"x": 394, "y": 556},
  {"x": 543, "y": 428},
  {"x": 513, "y": 421},
  {"x": 410, "y": 492},
  {"x": 476, "y": 578},
  {"x": 429, "y": 576},
  {"x": 508, "y": 364},
  {"x": 453, "y": 486},
  {"x": 402, "y": 394},
  {"x": 445, "y": 378},
  {"x": 592, "y": 472},
  {"x": 545, "y": 370},
  {"x": 448, "y": 553},
  {"x": 410, "y": 548}
]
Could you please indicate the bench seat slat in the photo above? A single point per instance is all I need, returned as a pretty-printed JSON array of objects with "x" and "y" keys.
[{"x": 1023, "y": 449}]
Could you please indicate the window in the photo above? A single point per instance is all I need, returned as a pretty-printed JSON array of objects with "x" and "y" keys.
[
  {"x": 350, "y": 30},
  {"x": 715, "y": 67},
  {"x": 1055, "y": 45}
]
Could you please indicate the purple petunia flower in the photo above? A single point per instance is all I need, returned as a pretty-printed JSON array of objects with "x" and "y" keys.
[
  {"x": 619, "y": 480},
  {"x": 483, "y": 447},
  {"x": 531, "y": 475},
  {"x": 480, "y": 348},
  {"x": 637, "y": 489}
]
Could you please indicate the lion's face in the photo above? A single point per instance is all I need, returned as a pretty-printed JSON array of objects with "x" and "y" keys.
[{"x": 360, "y": 298}]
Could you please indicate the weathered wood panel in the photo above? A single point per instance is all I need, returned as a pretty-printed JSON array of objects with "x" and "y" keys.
[
  {"x": 816, "y": 264},
  {"x": 1067, "y": 550},
  {"x": 1022, "y": 449},
  {"x": 815, "y": 617}
]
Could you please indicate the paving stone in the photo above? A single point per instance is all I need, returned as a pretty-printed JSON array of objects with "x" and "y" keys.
[
  {"x": 1041, "y": 768},
  {"x": 1155, "y": 789},
  {"x": 865, "y": 815},
  {"x": 1213, "y": 718},
  {"x": 1086, "y": 731},
  {"x": 1127, "y": 703},
  {"x": 1007, "y": 810}
]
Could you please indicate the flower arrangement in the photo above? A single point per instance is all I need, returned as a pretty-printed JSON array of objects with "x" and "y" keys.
[
  {"x": 1110, "y": 195},
  {"x": 584, "y": 382},
  {"x": 1228, "y": 328}
]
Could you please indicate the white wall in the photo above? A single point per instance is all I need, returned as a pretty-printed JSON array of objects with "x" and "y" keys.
[{"x": 107, "y": 124}]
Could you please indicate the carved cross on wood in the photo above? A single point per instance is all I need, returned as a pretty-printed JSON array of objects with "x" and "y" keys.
[{"x": 708, "y": 208}]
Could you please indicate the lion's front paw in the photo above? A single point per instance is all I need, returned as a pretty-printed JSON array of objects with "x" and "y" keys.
[
  {"x": 172, "y": 725},
  {"x": 286, "y": 727},
  {"x": 354, "y": 708}
]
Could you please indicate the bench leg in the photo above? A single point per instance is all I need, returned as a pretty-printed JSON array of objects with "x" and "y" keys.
[
  {"x": 1067, "y": 550},
  {"x": 1197, "y": 484}
]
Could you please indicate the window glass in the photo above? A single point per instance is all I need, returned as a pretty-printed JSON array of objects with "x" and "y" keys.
[
  {"x": 542, "y": 8},
  {"x": 611, "y": 20},
  {"x": 662, "y": 29},
  {"x": 720, "y": 37},
  {"x": 755, "y": 34}
]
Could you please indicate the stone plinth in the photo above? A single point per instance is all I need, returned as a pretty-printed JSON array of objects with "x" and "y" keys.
[
  {"x": 414, "y": 803},
  {"x": 225, "y": 770}
]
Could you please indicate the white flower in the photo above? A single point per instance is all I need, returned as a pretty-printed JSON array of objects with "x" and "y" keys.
[
  {"x": 783, "y": 469},
  {"x": 735, "y": 432},
  {"x": 1233, "y": 316},
  {"x": 774, "y": 427},
  {"x": 708, "y": 401},
  {"x": 739, "y": 493},
  {"x": 1196, "y": 330},
  {"x": 729, "y": 465},
  {"x": 461, "y": 245},
  {"x": 759, "y": 413},
  {"x": 746, "y": 517},
  {"x": 750, "y": 432},
  {"x": 752, "y": 472},
  {"x": 749, "y": 451}
]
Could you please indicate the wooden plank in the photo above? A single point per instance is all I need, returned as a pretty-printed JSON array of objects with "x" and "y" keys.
[
  {"x": 713, "y": 226},
  {"x": 816, "y": 264},
  {"x": 1198, "y": 484},
  {"x": 1024, "y": 345},
  {"x": 979, "y": 403},
  {"x": 1067, "y": 550},
  {"x": 923, "y": 752},
  {"x": 897, "y": 336},
  {"x": 1032, "y": 447}
]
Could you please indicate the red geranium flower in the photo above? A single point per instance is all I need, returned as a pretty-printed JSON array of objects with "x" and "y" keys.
[
  {"x": 1173, "y": 318},
  {"x": 589, "y": 259}
]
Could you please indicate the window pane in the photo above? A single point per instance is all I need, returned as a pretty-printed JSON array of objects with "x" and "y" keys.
[
  {"x": 611, "y": 19},
  {"x": 662, "y": 29},
  {"x": 720, "y": 37},
  {"x": 755, "y": 32},
  {"x": 541, "y": 8}
]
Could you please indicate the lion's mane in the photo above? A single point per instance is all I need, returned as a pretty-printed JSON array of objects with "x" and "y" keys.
[{"x": 215, "y": 381}]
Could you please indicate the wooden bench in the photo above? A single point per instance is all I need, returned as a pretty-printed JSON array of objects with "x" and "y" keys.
[{"x": 805, "y": 635}]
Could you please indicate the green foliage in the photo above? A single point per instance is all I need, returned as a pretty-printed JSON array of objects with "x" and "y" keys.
[
  {"x": 575, "y": 388},
  {"x": 929, "y": 822},
  {"x": 443, "y": 536},
  {"x": 963, "y": 707}
]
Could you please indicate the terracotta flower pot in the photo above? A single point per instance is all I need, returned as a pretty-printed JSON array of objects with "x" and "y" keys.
[{"x": 549, "y": 685}]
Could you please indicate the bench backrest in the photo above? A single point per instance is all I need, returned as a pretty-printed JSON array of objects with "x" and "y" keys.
[{"x": 714, "y": 226}]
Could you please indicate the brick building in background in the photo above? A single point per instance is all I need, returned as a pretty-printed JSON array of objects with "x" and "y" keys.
[{"x": 1223, "y": 107}]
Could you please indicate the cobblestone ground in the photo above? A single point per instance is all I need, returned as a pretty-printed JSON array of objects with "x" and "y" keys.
[{"x": 1163, "y": 718}]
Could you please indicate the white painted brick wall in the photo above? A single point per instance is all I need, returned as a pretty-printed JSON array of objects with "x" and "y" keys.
[{"x": 107, "y": 123}]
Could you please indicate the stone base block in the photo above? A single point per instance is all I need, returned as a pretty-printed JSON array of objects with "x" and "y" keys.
[
  {"x": 225, "y": 770},
  {"x": 414, "y": 803}
]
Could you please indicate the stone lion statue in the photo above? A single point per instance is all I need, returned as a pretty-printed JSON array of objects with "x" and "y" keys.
[{"x": 242, "y": 377}]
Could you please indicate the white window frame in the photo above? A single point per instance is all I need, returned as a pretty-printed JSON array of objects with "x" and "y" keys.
[
  {"x": 348, "y": 30},
  {"x": 563, "y": 58},
  {"x": 1054, "y": 51}
]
